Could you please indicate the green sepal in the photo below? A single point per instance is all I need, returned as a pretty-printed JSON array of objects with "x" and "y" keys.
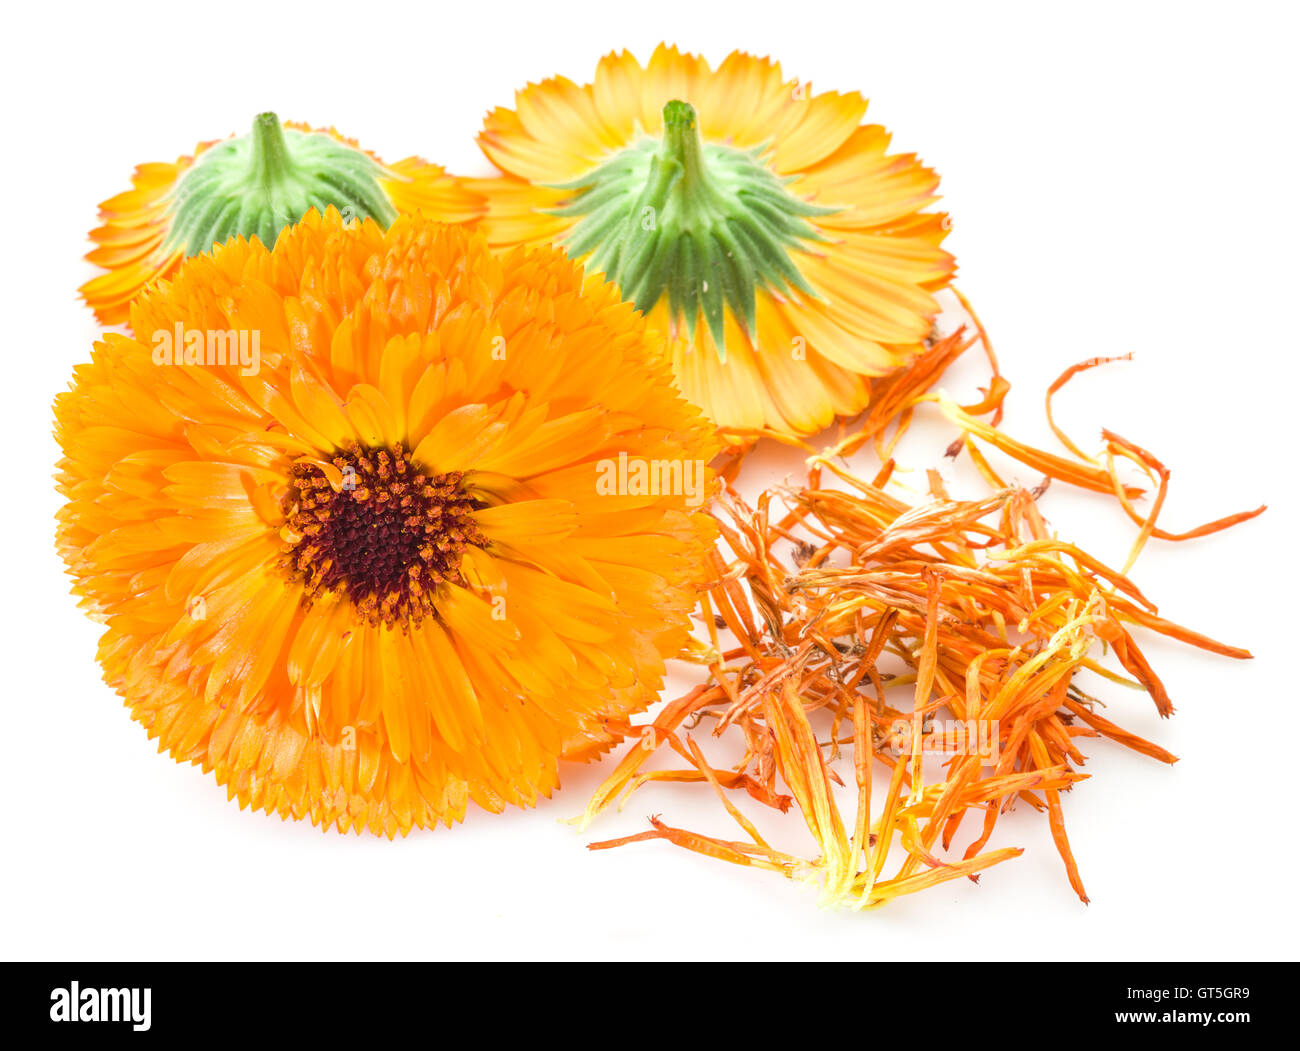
[
  {"x": 258, "y": 184},
  {"x": 704, "y": 224}
]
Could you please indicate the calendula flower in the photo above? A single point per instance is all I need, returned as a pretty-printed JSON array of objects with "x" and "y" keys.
[
  {"x": 764, "y": 229},
  {"x": 252, "y": 185},
  {"x": 381, "y": 522}
]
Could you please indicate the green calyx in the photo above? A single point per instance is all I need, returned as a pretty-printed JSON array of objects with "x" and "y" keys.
[
  {"x": 706, "y": 224},
  {"x": 269, "y": 179}
]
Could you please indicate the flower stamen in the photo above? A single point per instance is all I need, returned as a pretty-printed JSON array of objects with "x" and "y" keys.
[{"x": 386, "y": 535}]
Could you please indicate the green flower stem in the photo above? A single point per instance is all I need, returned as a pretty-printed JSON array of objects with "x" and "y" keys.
[{"x": 271, "y": 161}]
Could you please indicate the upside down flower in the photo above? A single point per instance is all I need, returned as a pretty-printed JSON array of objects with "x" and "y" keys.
[
  {"x": 364, "y": 559},
  {"x": 252, "y": 185},
  {"x": 765, "y": 230}
]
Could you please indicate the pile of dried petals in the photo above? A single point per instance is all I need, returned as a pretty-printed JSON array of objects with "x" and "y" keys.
[{"x": 985, "y": 614}]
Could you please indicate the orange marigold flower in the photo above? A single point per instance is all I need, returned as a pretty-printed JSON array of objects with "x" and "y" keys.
[
  {"x": 381, "y": 522},
  {"x": 763, "y": 228},
  {"x": 252, "y": 185}
]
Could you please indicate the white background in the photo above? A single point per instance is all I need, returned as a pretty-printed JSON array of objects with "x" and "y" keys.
[{"x": 1121, "y": 178}]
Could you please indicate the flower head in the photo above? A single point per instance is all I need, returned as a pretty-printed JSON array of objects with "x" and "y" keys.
[
  {"x": 764, "y": 229},
  {"x": 358, "y": 519},
  {"x": 252, "y": 185}
]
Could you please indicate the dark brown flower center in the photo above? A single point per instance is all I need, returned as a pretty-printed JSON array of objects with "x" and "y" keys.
[{"x": 385, "y": 534}]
